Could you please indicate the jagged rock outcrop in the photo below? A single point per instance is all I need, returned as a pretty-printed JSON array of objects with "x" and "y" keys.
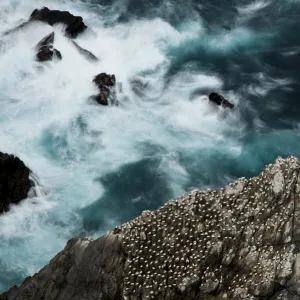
[
  {"x": 15, "y": 181},
  {"x": 45, "y": 50},
  {"x": 220, "y": 100},
  {"x": 74, "y": 24},
  {"x": 107, "y": 89},
  {"x": 239, "y": 242},
  {"x": 23, "y": 25}
]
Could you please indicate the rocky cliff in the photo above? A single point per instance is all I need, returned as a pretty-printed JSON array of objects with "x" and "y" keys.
[{"x": 239, "y": 242}]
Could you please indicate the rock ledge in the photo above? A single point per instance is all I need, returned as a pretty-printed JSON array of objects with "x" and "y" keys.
[{"x": 240, "y": 242}]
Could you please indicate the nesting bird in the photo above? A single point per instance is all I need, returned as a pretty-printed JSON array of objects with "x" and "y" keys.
[{"x": 230, "y": 241}]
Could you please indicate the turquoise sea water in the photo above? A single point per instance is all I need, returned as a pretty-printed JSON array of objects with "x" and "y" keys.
[{"x": 104, "y": 165}]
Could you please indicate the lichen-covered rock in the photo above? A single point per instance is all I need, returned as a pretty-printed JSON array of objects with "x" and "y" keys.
[
  {"x": 239, "y": 242},
  {"x": 15, "y": 181}
]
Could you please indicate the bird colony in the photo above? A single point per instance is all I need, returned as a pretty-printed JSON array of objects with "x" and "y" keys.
[{"x": 237, "y": 243}]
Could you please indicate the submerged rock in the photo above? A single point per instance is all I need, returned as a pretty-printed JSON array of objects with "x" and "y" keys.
[
  {"x": 87, "y": 54},
  {"x": 104, "y": 81},
  {"x": 220, "y": 100},
  {"x": 15, "y": 182},
  {"x": 106, "y": 85},
  {"x": 23, "y": 25},
  {"x": 74, "y": 24},
  {"x": 239, "y": 242},
  {"x": 45, "y": 50}
]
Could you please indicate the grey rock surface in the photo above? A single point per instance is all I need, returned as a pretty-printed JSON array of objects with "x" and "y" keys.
[{"x": 240, "y": 242}]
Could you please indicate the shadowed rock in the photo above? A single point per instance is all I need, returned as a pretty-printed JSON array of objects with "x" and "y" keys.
[
  {"x": 239, "y": 242},
  {"x": 14, "y": 181},
  {"x": 74, "y": 24},
  {"x": 87, "y": 54},
  {"x": 104, "y": 81},
  {"x": 17, "y": 28},
  {"x": 220, "y": 100},
  {"x": 106, "y": 85},
  {"x": 45, "y": 50}
]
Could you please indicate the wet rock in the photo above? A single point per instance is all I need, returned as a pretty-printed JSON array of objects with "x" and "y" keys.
[
  {"x": 238, "y": 242},
  {"x": 106, "y": 85},
  {"x": 68, "y": 271},
  {"x": 100, "y": 99},
  {"x": 74, "y": 24},
  {"x": 23, "y": 25},
  {"x": 220, "y": 100},
  {"x": 45, "y": 50},
  {"x": 87, "y": 54},
  {"x": 14, "y": 181},
  {"x": 104, "y": 81},
  {"x": 2, "y": 46}
]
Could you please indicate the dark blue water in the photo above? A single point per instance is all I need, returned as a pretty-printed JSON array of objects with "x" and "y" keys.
[{"x": 104, "y": 166}]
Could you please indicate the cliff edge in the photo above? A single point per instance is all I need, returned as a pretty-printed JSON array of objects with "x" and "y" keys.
[{"x": 239, "y": 242}]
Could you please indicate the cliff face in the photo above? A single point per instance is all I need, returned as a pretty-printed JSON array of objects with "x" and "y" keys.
[{"x": 240, "y": 242}]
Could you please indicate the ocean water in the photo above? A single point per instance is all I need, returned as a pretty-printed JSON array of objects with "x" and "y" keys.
[{"x": 101, "y": 166}]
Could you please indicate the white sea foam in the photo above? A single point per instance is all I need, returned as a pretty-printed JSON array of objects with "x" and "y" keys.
[
  {"x": 47, "y": 121},
  {"x": 253, "y": 7}
]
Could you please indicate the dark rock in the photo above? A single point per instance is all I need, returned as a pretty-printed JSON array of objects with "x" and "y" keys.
[
  {"x": 57, "y": 54},
  {"x": 107, "y": 87},
  {"x": 89, "y": 55},
  {"x": 238, "y": 242},
  {"x": 104, "y": 81},
  {"x": 74, "y": 25},
  {"x": 14, "y": 181},
  {"x": 44, "y": 54},
  {"x": 220, "y": 100},
  {"x": 100, "y": 99},
  {"x": 45, "y": 50},
  {"x": 47, "y": 41},
  {"x": 17, "y": 28},
  {"x": 2, "y": 46}
]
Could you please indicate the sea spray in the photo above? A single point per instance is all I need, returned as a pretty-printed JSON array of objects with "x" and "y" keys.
[{"x": 104, "y": 165}]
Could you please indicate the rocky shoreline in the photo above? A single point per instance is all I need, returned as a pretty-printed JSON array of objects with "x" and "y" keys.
[
  {"x": 239, "y": 242},
  {"x": 74, "y": 26},
  {"x": 15, "y": 181}
]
